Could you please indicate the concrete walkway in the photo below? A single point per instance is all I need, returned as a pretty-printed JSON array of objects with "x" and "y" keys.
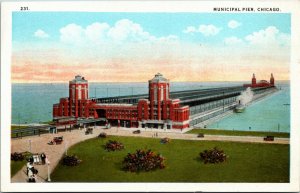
[{"x": 55, "y": 152}]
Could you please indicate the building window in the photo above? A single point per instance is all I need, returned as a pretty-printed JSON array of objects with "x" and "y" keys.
[
  {"x": 155, "y": 93},
  {"x": 161, "y": 93}
]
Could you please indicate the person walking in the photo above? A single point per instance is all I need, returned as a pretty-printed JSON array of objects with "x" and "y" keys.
[
  {"x": 28, "y": 166},
  {"x": 30, "y": 172},
  {"x": 43, "y": 158}
]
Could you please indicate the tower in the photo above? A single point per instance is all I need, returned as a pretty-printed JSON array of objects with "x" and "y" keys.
[
  {"x": 272, "y": 81},
  {"x": 253, "y": 80},
  {"x": 158, "y": 93},
  {"x": 78, "y": 90}
]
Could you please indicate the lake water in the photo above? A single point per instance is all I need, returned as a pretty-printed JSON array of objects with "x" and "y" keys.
[
  {"x": 32, "y": 103},
  {"x": 270, "y": 114}
]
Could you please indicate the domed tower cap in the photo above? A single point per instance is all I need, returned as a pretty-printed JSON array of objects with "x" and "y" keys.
[
  {"x": 78, "y": 79},
  {"x": 159, "y": 78}
]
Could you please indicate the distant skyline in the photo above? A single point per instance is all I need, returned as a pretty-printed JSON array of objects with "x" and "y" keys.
[{"x": 132, "y": 47}]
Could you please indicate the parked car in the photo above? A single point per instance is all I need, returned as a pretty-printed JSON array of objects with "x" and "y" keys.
[
  {"x": 200, "y": 135},
  {"x": 269, "y": 138},
  {"x": 136, "y": 132}
]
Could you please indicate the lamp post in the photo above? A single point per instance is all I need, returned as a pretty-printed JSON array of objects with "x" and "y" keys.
[
  {"x": 48, "y": 169},
  {"x": 66, "y": 148},
  {"x": 29, "y": 142}
]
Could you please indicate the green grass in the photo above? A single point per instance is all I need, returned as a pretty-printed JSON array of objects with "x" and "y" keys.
[
  {"x": 15, "y": 166},
  {"x": 18, "y": 127},
  {"x": 247, "y": 162},
  {"x": 238, "y": 133}
]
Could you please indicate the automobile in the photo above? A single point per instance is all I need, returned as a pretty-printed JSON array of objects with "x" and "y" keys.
[
  {"x": 200, "y": 135},
  {"x": 269, "y": 138},
  {"x": 136, "y": 132}
]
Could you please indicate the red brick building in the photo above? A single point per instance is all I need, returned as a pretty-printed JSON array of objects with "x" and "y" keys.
[
  {"x": 158, "y": 111},
  {"x": 261, "y": 83}
]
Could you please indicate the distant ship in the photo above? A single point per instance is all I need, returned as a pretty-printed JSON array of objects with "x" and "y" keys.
[{"x": 240, "y": 108}]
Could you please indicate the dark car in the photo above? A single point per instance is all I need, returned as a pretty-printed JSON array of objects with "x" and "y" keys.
[
  {"x": 136, "y": 132},
  {"x": 269, "y": 138},
  {"x": 200, "y": 135}
]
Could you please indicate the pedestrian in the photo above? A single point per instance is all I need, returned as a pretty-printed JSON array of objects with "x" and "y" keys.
[
  {"x": 43, "y": 157},
  {"x": 30, "y": 173},
  {"x": 29, "y": 166},
  {"x": 31, "y": 159}
]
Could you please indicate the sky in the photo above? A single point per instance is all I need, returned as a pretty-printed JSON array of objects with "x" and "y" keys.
[{"x": 132, "y": 47}]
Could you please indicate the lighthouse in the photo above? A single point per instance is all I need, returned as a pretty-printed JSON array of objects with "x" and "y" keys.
[
  {"x": 272, "y": 81},
  {"x": 253, "y": 80}
]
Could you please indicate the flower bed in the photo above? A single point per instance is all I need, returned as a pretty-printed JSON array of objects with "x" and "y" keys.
[
  {"x": 17, "y": 156},
  {"x": 214, "y": 155},
  {"x": 113, "y": 146},
  {"x": 102, "y": 135},
  {"x": 71, "y": 160},
  {"x": 143, "y": 160},
  {"x": 165, "y": 140}
]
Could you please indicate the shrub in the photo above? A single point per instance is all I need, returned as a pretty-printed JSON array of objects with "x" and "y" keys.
[
  {"x": 102, "y": 135},
  {"x": 143, "y": 160},
  {"x": 165, "y": 140},
  {"x": 17, "y": 156},
  {"x": 71, "y": 160},
  {"x": 213, "y": 156},
  {"x": 113, "y": 146}
]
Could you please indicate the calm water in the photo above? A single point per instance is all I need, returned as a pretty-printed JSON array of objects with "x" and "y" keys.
[
  {"x": 32, "y": 103},
  {"x": 270, "y": 114}
]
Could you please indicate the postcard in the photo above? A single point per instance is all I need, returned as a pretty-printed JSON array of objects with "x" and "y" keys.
[{"x": 150, "y": 96}]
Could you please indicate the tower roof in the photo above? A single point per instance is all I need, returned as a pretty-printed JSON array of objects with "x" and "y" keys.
[
  {"x": 159, "y": 78},
  {"x": 78, "y": 79}
]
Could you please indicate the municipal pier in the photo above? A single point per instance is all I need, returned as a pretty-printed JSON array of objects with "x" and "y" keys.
[{"x": 159, "y": 109}]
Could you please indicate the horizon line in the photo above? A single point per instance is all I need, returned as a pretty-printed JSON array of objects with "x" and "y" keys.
[{"x": 64, "y": 82}]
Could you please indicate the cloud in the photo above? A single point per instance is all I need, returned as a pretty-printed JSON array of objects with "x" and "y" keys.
[
  {"x": 127, "y": 30},
  {"x": 40, "y": 34},
  {"x": 233, "y": 24},
  {"x": 96, "y": 31},
  {"x": 232, "y": 40},
  {"x": 206, "y": 30},
  {"x": 270, "y": 36},
  {"x": 190, "y": 29},
  {"x": 122, "y": 31},
  {"x": 72, "y": 33},
  {"x": 209, "y": 30}
]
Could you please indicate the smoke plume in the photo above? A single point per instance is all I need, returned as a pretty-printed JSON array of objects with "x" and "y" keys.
[{"x": 245, "y": 97}]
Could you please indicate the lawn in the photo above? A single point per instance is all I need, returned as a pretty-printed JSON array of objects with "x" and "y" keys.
[
  {"x": 238, "y": 133},
  {"x": 15, "y": 166},
  {"x": 18, "y": 127},
  {"x": 247, "y": 162}
]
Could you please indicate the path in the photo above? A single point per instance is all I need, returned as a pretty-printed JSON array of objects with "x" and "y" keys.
[{"x": 55, "y": 152}]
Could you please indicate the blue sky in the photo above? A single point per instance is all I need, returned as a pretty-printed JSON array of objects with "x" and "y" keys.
[
  {"x": 53, "y": 46},
  {"x": 158, "y": 24}
]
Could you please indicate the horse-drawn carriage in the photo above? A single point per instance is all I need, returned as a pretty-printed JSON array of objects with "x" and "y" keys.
[{"x": 56, "y": 140}]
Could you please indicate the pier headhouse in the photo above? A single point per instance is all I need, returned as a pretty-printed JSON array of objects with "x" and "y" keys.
[{"x": 156, "y": 111}]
